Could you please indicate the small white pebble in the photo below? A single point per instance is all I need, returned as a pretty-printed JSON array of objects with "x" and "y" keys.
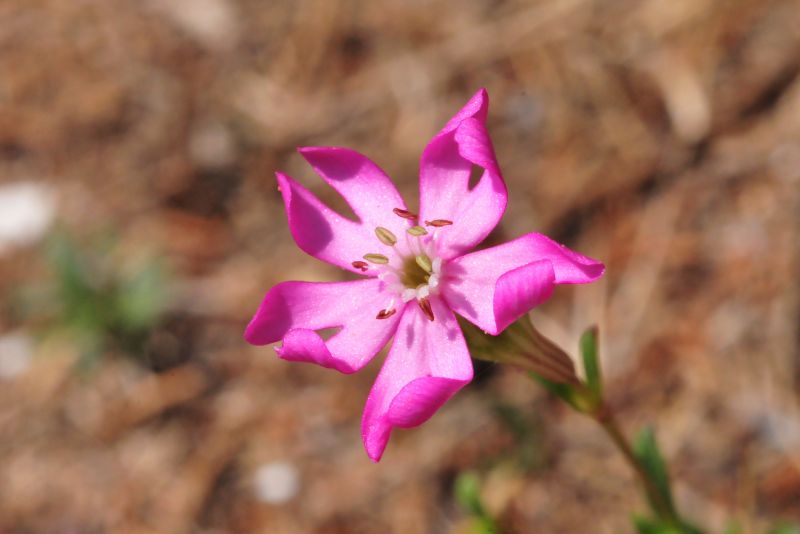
[
  {"x": 26, "y": 211},
  {"x": 16, "y": 351},
  {"x": 276, "y": 482},
  {"x": 211, "y": 145}
]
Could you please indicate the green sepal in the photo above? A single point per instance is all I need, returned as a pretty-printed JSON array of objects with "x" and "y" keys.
[{"x": 565, "y": 392}]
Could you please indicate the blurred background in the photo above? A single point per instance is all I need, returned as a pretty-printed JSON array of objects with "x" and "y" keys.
[{"x": 140, "y": 226}]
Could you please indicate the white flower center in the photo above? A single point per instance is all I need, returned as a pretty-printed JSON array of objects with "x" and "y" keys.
[{"x": 414, "y": 273}]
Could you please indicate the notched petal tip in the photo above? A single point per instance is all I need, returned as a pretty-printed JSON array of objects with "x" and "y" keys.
[
  {"x": 301, "y": 313},
  {"x": 307, "y": 346}
]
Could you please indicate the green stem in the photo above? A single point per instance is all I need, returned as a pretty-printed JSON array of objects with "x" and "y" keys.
[{"x": 605, "y": 418}]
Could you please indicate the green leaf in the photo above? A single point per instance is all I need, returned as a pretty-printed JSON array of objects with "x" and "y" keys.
[
  {"x": 591, "y": 363},
  {"x": 646, "y": 450}
]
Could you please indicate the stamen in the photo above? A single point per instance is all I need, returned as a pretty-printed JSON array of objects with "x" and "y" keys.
[
  {"x": 386, "y": 236},
  {"x": 405, "y": 214},
  {"x": 425, "y": 306},
  {"x": 417, "y": 231},
  {"x": 378, "y": 259},
  {"x": 424, "y": 262},
  {"x": 438, "y": 223},
  {"x": 361, "y": 265},
  {"x": 385, "y": 314}
]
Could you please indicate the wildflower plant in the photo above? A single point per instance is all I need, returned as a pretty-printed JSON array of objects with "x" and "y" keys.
[
  {"x": 423, "y": 286},
  {"x": 418, "y": 272}
]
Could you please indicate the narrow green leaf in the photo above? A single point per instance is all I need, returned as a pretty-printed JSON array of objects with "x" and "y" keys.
[
  {"x": 591, "y": 362},
  {"x": 646, "y": 450}
]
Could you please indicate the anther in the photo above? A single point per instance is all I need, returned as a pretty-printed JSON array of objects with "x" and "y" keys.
[
  {"x": 361, "y": 265},
  {"x": 417, "y": 231},
  {"x": 378, "y": 259},
  {"x": 424, "y": 262},
  {"x": 438, "y": 223},
  {"x": 385, "y": 314},
  {"x": 386, "y": 236},
  {"x": 425, "y": 306},
  {"x": 405, "y": 214}
]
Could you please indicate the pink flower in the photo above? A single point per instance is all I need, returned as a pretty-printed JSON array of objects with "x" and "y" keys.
[{"x": 416, "y": 273}]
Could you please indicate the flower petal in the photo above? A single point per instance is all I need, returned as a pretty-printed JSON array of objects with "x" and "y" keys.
[
  {"x": 494, "y": 287},
  {"x": 295, "y": 311},
  {"x": 445, "y": 170},
  {"x": 427, "y": 364},
  {"x": 319, "y": 231},
  {"x": 363, "y": 184}
]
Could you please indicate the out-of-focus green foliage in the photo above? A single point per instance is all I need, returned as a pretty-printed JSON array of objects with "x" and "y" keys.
[
  {"x": 784, "y": 528},
  {"x": 468, "y": 494},
  {"x": 103, "y": 304},
  {"x": 526, "y": 429},
  {"x": 646, "y": 525}
]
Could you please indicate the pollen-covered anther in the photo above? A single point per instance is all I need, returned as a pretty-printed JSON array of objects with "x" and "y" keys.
[
  {"x": 424, "y": 263},
  {"x": 361, "y": 265},
  {"x": 405, "y": 214},
  {"x": 425, "y": 306},
  {"x": 438, "y": 223},
  {"x": 385, "y": 314},
  {"x": 417, "y": 231},
  {"x": 377, "y": 259},
  {"x": 385, "y": 236}
]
